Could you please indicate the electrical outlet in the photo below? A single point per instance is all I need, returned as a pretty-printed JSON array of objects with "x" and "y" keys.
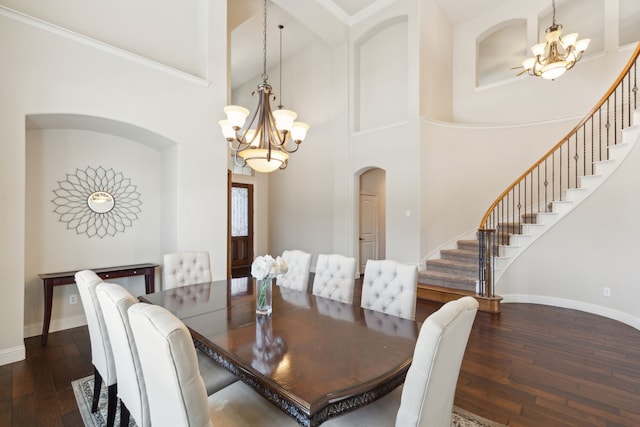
[
  {"x": 606, "y": 292},
  {"x": 73, "y": 299}
]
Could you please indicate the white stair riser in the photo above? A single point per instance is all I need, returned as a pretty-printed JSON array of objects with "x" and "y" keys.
[
  {"x": 576, "y": 195},
  {"x": 591, "y": 181},
  {"x": 533, "y": 229},
  {"x": 520, "y": 239},
  {"x": 562, "y": 206},
  {"x": 547, "y": 218},
  {"x": 604, "y": 167}
]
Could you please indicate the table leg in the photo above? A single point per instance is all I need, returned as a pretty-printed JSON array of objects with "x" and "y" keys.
[
  {"x": 149, "y": 281},
  {"x": 48, "y": 301}
]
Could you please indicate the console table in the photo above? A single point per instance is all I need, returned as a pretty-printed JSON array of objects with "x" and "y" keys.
[{"x": 68, "y": 277}]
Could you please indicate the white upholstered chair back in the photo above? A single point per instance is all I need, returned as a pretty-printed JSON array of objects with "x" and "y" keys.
[
  {"x": 335, "y": 277},
  {"x": 101, "y": 353},
  {"x": 175, "y": 389},
  {"x": 297, "y": 277},
  {"x": 426, "y": 398},
  {"x": 430, "y": 386},
  {"x": 390, "y": 287},
  {"x": 115, "y": 301},
  {"x": 186, "y": 268}
]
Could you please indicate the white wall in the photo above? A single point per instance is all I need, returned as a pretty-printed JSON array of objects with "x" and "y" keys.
[
  {"x": 436, "y": 62},
  {"x": 52, "y": 155},
  {"x": 301, "y": 203},
  {"x": 526, "y": 99},
  {"x": 466, "y": 167},
  {"x": 47, "y": 70},
  {"x": 165, "y": 38},
  {"x": 591, "y": 248},
  {"x": 391, "y": 147}
]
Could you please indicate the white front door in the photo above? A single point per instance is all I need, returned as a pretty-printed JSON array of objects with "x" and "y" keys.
[{"x": 368, "y": 229}]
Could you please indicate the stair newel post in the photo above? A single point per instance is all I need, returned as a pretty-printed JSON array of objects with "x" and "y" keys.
[{"x": 487, "y": 245}]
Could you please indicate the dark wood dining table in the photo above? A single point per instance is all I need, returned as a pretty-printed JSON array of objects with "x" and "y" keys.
[{"x": 313, "y": 357}]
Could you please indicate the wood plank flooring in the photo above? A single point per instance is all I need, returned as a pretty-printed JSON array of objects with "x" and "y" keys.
[{"x": 531, "y": 365}]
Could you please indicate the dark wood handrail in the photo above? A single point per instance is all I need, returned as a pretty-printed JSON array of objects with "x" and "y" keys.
[{"x": 572, "y": 132}]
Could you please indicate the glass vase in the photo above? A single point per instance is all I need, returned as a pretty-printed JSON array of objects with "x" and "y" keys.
[{"x": 263, "y": 297}]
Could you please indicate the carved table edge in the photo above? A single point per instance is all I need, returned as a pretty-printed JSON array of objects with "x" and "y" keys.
[{"x": 331, "y": 410}]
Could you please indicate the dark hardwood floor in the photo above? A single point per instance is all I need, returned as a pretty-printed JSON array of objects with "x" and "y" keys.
[{"x": 531, "y": 365}]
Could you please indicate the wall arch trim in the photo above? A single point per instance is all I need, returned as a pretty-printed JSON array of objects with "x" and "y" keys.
[{"x": 101, "y": 125}]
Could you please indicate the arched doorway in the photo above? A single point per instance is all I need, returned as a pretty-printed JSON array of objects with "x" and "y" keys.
[{"x": 372, "y": 216}]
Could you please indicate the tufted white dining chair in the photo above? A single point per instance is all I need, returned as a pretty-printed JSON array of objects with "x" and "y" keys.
[
  {"x": 186, "y": 268},
  {"x": 178, "y": 396},
  {"x": 101, "y": 353},
  {"x": 297, "y": 276},
  {"x": 115, "y": 301},
  {"x": 390, "y": 287},
  {"x": 426, "y": 399},
  {"x": 335, "y": 277}
]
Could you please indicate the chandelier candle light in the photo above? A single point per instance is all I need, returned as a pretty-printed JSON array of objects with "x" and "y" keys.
[
  {"x": 557, "y": 55},
  {"x": 266, "y": 147},
  {"x": 265, "y": 269}
]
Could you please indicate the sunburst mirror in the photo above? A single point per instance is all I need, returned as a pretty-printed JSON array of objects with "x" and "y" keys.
[{"x": 97, "y": 202}]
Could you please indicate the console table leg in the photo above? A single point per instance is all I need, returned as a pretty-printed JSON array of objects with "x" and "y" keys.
[
  {"x": 48, "y": 302},
  {"x": 149, "y": 281}
]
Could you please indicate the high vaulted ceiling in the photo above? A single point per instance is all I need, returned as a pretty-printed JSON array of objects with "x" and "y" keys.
[{"x": 306, "y": 21}]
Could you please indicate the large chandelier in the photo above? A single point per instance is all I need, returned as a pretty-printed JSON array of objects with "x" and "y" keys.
[
  {"x": 557, "y": 55},
  {"x": 265, "y": 147}
]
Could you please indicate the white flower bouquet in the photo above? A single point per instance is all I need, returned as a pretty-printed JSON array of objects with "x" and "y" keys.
[{"x": 265, "y": 269}]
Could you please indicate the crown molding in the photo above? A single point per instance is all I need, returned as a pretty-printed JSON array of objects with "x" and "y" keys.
[{"x": 96, "y": 44}]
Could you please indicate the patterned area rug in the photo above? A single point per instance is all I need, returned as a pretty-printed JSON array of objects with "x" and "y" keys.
[{"x": 83, "y": 390}]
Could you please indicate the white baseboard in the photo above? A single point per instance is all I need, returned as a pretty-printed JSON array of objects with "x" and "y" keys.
[
  {"x": 599, "y": 310},
  {"x": 11, "y": 355},
  {"x": 56, "y": 325}
]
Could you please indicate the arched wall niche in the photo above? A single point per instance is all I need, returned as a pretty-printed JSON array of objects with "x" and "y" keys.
[
  {"x": 499, "y": 49},
  {"x": 59, "y": 149},
  {"x": 98, "y": 124},
  {"x": 380, "y": 61},
  {"x": 628, "y": 22}
]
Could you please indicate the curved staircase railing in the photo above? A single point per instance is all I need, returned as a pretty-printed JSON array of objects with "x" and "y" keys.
[{"x": 559, "y": 169}]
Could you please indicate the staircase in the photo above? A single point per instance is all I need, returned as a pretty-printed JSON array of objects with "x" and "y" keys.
[
  {"x": 555, "y": 185},
  {"x": 534, "y": 225},
  {"x": 456, "y": 273},
  {"x": 453, "y": 275}
]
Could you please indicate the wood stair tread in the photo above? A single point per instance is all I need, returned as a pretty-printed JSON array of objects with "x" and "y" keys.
[
  {"x": 454, "y": 275},
  {"x": 426, "y": 274},
  {"x": 441, "y": 294}
]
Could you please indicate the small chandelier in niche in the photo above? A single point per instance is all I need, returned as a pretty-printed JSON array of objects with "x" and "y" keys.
[
  {"x": 557, "y": 54},
  {"x": 266, "y": 147}
]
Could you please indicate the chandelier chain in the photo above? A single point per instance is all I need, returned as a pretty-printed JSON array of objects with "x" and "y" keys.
[
  {"x": 280, "y": 27},
  {"x": 264, "y": 44}
]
